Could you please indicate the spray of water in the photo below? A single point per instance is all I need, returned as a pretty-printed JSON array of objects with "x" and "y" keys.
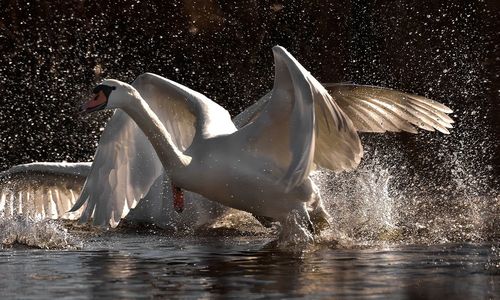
[
  {"x": 367, "y": 208},
  {"x": 35, "y": 233}
]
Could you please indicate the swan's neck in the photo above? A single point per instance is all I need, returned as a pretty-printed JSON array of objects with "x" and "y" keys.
[{"x": 168, "y": 153}]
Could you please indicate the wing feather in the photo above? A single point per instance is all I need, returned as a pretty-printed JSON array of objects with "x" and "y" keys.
[
  {"x": 367, "y": 109},
  {"x": 283, "y": 131},
  {"x": 379, "y": 117},
  {"x": 377, "y": 109},
  {"x": 338, "y": 146},
  {"x": 124, "y": 156},
  {"x": 251, "y": 113},
  {"x": 44, "y": 190},
  {"x": 298, "y": 124}
]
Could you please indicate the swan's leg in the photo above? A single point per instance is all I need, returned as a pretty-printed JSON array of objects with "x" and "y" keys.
[
  {"x": 178, "y": 197},
  {"x": 319, "y": 216}
]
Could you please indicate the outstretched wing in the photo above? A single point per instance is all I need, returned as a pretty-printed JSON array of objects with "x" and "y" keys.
[
  {"x": 298, "y": 123},
  {"x": 369, "y": 109},
  {"x": 124, "y": 167},
  {"x": 43, "y": 190},
  {"x": 185, "y": 113},
  {"x": 125, "y": 164},
  {"x": 378, "y": 109},
  {"x": 251, "y": 113}
]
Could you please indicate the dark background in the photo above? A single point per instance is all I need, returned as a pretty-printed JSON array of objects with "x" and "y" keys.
[{"x": 53, "y": 52}]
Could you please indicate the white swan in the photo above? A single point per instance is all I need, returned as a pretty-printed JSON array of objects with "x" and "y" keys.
[
  {"x": 372, "y": 109},
  {"x": 263, "y": 167},
  {"x": 49, "y": 190}
]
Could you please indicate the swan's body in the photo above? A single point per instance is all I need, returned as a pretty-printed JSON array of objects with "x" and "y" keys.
[
  {"x": 219, "y": 165},
  {"x": 261, "y": 168}
]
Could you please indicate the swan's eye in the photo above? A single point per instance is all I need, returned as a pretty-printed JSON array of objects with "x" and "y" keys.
[{"x": 104, "y": 88}]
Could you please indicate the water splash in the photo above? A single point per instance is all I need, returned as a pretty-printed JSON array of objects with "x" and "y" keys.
[
  {"x": 368, "y": 209},
  {"x": 360, "y": 205},
  {"x": 35, "y": 233}
]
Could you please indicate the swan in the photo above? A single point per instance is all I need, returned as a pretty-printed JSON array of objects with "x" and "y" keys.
[
  {"x": 261, "y": 162},
  {"x": 48, "y": 190}
]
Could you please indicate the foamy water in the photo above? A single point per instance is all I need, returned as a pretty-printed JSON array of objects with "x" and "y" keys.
[
  {"x": 364, "y": 209},
  {"x": 367, "y": 211},
  {"x": 36, "y": 233},
  {"x": 382, "y": 243}
]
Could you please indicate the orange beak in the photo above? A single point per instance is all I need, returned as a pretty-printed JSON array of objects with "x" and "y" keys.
[{"x": 96, "y": 102}]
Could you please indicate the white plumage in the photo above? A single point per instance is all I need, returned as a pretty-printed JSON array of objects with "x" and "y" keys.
[{"x": 42, "y": 190}]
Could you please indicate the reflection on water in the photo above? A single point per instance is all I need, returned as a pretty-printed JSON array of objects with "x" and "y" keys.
[{"x": 123, "y": 266}]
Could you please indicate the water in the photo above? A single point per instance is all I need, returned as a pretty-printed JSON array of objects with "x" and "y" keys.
[
  {"x": 132, "y": 266},
  {"x": 384, "y": 243}
]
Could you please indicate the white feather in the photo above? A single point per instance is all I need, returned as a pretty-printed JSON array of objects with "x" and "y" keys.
[{"x": 43, "y": 190}]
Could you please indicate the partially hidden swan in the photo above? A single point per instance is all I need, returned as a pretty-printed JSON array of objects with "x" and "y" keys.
[
  {"x": 43, "y": 190},
  {"x": 261, "y": 162},
  {"x": 48, "y": 190}
]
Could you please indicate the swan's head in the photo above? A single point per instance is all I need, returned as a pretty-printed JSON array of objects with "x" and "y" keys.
[{"x": 109, "y": 94}]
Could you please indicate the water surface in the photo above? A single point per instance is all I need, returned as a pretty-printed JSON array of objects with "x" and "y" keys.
[{"x": 131, "y": 266}]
